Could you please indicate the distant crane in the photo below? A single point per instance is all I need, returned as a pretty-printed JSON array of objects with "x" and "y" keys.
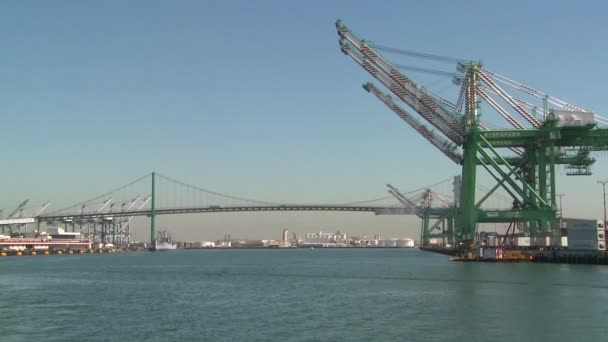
[
  {"x": 42, "y": 209},
  {"x": 18, "y": 210},
  {"x": 14, "y": 214},
  {"x": 18, "y": 214},
  {"x": 295, "y": 239}
]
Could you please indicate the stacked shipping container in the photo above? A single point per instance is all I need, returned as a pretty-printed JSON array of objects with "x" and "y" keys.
[{"x": 585, "y": 235}]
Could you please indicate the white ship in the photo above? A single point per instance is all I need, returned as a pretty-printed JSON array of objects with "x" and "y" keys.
[{"x": 163, "y": 242}]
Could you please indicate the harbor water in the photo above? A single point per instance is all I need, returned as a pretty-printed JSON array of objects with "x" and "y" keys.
[{"x": 297, "y": 295}]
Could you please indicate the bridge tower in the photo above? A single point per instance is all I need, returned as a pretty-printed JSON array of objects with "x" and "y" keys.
[{"x": 153, "y": 212}]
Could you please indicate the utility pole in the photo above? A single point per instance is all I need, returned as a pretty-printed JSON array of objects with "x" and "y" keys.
[
  {"x": 561, "y": 212},
  {"x": 604, "y": 192},
  {"x": 560, "y": 204}
]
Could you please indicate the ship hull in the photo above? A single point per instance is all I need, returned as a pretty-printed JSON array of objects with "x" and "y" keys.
[{"x": 163, "y": 246}]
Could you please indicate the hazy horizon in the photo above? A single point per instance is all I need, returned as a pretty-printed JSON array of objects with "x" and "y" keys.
[{"x": 255, "y": 99}]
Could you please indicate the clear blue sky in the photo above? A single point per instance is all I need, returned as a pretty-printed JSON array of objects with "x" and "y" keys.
[{"x": 255, "y": 98}]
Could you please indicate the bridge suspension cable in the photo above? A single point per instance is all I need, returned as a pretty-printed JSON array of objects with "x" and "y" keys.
[
  {"x": 419, "y": 54},
  {"x": 102, "y": 196},
  {"x": 193, "y": 187}
]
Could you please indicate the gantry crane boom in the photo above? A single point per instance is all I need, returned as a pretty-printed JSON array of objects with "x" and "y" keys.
[
  {"x": 104, "y": 205},
  {"x": 419, "y": 99},
  {"x": 133, "y": 201},
  {"x": 441, "y": 125},
  {"x": 401, "y": 198},
  {"x": 499, "y": 109},
  {"x": 18, "y": 209},
  {"x": 43, "y": 208},
  {"x": 531, "y": 91},
  {"x": 407, "y": 203},
  {"x": 143, "y": 204},
  {"x": 541, "y": 95},
  {"x": 508, "y": 98},
  {"x": 370, "y": 53},
  {"x": 442, "y": 144},
  {"x": 426, "y": 107}
]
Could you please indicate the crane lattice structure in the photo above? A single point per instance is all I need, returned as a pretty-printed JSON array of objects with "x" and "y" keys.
[
  {"x": 436, "y": 211},
  {"x": 17, "y": 220},
  {"x": 522, "y": 160}
]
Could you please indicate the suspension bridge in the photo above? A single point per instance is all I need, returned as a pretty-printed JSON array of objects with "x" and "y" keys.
[{"x": 107, "y": 217}]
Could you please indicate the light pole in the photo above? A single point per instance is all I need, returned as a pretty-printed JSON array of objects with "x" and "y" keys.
[
  {"x": 561, "y": 212},
  {"x": 604, "y": 188}
]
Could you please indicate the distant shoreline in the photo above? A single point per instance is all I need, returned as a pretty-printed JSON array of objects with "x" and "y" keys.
[{"x": 287, "y": 248}]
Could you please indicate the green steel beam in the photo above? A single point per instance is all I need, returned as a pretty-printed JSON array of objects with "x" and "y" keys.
[
  {"x": 564, "y": 136},
  {"x": 440, "y": 235},
  {"x": 467, "y": 220},
  {"x": 503, "y": 175},
  {"x": 558, "y": 160},
  {"x": 441, "y": 219},
  {"x": 507, "y": 216},
  {"x": 500, "y": 183},
  {"x": 426, "y": 228},
  {"x": 526, "y": 185},
  {"x": 498, "y": 180}
]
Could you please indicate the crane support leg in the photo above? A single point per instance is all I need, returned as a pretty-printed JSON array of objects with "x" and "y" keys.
[{"x": 468, "y": 212}]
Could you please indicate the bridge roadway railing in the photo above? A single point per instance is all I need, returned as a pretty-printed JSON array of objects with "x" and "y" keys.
[{"x": 219, "y": 209}]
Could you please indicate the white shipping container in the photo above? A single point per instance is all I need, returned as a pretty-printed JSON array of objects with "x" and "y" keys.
[
  {"x": 522, "y": 241},
  {"x": 573, "y": 118},
  {"x": 542, "y": 241}
]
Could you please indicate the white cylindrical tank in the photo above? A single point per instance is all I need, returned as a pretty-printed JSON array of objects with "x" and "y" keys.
[
  {"x": 405, "y": 243},
  {"x": 390, "y": 243}
]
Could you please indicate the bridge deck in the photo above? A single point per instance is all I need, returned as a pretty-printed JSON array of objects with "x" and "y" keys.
[{"x": 171, "y": 211}]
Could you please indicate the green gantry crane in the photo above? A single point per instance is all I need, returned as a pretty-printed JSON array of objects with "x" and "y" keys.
[{"x": 521, "y": 159}]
